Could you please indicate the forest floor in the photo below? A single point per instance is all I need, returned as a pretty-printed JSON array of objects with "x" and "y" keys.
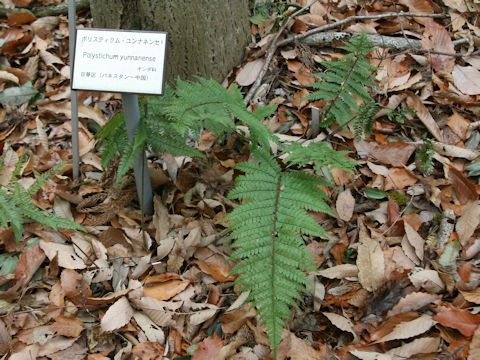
[{"x": 398, "y": 278}]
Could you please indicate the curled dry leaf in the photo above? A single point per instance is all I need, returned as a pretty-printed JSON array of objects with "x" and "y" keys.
[
  {"x": 474, "y": 352},
  {"x": 214, "y": 264},
  {"x": 370, "y": 355},
  {"x": 164, "y": 286},
  {"x": 424, "y": 115},
  {"x": 148, "y": 350},
  {"x": 468, "y": 222},
  {"x": 342, "y": 323},
  {"x": 462, "y": 320},
  {"x": 415, "y": 240},
  {"x": 117, "y": 315},
  {"x": 412, "y": 302},
  {"x": 427, "y": 279},
  {"x": 152, "y": 331},
  {"x": 208, "y": 348},
  {"x": 406, "y": 330},
  {"x": 423, "y": 345}
]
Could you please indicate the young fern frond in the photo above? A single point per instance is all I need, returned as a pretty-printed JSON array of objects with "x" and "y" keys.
[
  {"x": 425, "y": 157},
  {"x": 365, "y": 118},
  {"x": 267, "y": 231},
  {"x": 344, "y": 80},
  {"x": 17, "y": 207}
]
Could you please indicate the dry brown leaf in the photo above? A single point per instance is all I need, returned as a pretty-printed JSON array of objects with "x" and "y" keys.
[
  {"x": 399, "y": 179},
  {"x": 406, "y": 330},
  {"x": 232, "y": 321},
  {"x": 27, "y": 265},
  {"x": 472, "y": 296},
  {"x": 214, "y": 264},
  {"x": 345, "y": 205},
  {"x": 466, "y": 79},
  {"x": 462, "y": 320},
  {"x": 160, "y": 219},
  {"x": 160, "y": 312},
  {"x": 293, "y": 348},
  {"x": 468, "y": 222},
  {"x": 370, "y": 355},
  {"x": 55, "y": 345},
  {"x": 339, "y": 271},
  {"x": 117, "y": 315},
  {"x": 148, "y": 350},
  {"x": 74, "y": 286},
  {"x": 458, "y": 124},
  {"x": 342, "y": 323},
  {"x": 464, "y": 188},
  {"x": 436, "y": 37},
  {"x": 370, "y": 261},
  {"x": 6, "y": 76},
  {"x": 151, "y": 330},
  {"x": 427, "y": 279},
  {"x": 423, "y": 345},
  {"x": 412, "y": 302},
  {"x": 249, "y": 73},
  {"x": 424, "y": 115},
  {"x": 67, "y": 326},
  {"x": 159, "y": 288},
  {"x": 67, "y": 258},
  {"x": 415, "y": 240},
  {"x": 208, "y": 348},
  {"x": 395, "y": 153}
]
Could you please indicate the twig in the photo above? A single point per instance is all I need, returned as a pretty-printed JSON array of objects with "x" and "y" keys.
[
  {"x": 271, "y": 52},
  {"x": 276, "y": 44}
]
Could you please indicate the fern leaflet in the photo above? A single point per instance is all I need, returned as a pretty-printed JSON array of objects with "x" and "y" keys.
[
  {"x": 344, "y": 80},
  {"x": 267, "y": 230}
]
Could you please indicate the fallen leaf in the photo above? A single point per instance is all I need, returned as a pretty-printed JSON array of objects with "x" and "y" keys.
[
  {"x": 147, "y": 350},
  {"x": 339, "y": 271},
  {"x": 412, "y": 302},
  {"x": 436, "y": 37},
  {"x": 342, "y": 323},
  {"x": 158, "y": 288},
  {"x": 406, "y": 330},
  {"x": 423, "y": 345},
  {"x": 468, "y": 222},
  {"x": 117, "y": 315},
  {"x": 75, "y": 288},
  {"x": 427, "y": 279},
  {"x": 249, "y": 73},
  {"x": 214, "y": 264},
  {"x": 370, "y": 261},
  {"x": 424, "y": 115},
  {"x": 399, "y": 179},
  {"x": 466, "y": 79},
  {"x": 458, "y": 124},
  {"x": 474, "y": 351},
  {"x": 370, "y": 355},
  {"x": 67, "y": 326},
  {"x": 152, "y": 331},
  {"x": 345, "y": 205},
  {"x": 415, "y": 240},
  {"x": 232, "y": 321},
  {"x": 293, "y": 348},
  {"x": 464, "y": 188},
  {"x": 27, "y": 265},
  {"x": 462, "y": 320},
  {"x": 67, "y": 258},
  {"x": 208, "y": 348}
]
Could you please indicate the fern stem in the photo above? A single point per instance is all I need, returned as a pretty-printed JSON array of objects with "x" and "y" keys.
[
  {"x": 273, "y": 277},
  {"x": 201, "y": 104}
]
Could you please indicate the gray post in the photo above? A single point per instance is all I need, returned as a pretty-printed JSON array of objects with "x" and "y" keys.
[
  {"x": 73, "y": 96},
  {"x": 315, "y": 121},
  {"x": 140, "y": 167}
]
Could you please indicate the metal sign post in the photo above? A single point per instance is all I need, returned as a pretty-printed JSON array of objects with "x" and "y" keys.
[
  {"x": 123, "y": 61},
  {"x": 74, "y": 98}
]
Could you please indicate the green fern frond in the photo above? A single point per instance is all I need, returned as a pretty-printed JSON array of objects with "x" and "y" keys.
[
  {"x": 365, "y": 118},
  {"x": 320, "y": 154},
  {"x": 17, "y": 207},
  {"x": 267, "y": 229},
  {"x": 344, "y": 81},
  {"x": 425, "y": 157}
]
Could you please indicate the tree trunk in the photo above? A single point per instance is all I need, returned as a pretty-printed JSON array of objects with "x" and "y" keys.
[{"x": 206, "y": 37}]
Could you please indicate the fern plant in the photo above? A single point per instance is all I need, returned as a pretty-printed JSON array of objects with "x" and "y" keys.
[
  {"x": 344, "y": 80},
  {"x": 17, "y": 207},
  {"x": 168, "y": 122},
  {"x": 267, "y": 228}
]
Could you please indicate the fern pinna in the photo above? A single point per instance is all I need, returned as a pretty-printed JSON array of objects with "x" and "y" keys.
[
  {"x": 344, "y": 80},
  {"x": 267, "y": 230}
]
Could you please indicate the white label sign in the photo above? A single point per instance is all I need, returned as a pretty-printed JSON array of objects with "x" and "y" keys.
[{"x": 120, "y": 61}]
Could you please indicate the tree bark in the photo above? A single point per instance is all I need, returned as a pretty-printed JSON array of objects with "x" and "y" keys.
[
  {"x": 206, "y": 37},
  {"x": 52, "y": 10}
]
